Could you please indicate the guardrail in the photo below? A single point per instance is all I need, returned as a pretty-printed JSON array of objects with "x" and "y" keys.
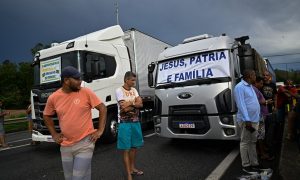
[{"x": 15, "y": 120}]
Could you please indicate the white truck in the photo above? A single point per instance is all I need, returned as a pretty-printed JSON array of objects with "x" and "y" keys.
[
  {"x": 102, "y": 57},
  {"x": 194, "y": 84}
]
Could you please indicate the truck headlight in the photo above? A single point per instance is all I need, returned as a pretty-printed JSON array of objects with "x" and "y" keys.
[
  {"x": 157, "y": 119},
  {"x": 228, "y": 120},
  {"x": 229, "y": 131},
  {"x": 157, "y": 130}
]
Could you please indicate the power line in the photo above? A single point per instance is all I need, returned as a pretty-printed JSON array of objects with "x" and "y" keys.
[
  {"x": 287, "y": 63},
  {"x": 288, "y": 54}
]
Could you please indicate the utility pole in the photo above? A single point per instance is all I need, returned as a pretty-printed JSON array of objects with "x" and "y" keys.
[{"x": 117, "y": 11}]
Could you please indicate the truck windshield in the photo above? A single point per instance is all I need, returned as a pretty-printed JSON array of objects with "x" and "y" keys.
[
  {"x": 209, "y": 67},
  {"x": 49, "y": 69},
  {"x": 90, "y": 64}
]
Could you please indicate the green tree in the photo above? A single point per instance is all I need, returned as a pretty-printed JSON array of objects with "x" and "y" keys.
[
  {"x": 25, "y": 78},
  {"x": 15, "y": 84},
  {"x": 8, "y": 89}
]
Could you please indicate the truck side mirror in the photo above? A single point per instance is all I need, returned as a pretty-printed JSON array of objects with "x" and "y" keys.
[{"x": 151, "y": 68}]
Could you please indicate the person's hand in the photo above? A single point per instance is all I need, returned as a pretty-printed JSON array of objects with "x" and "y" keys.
[
  {"x": 249, "y": 127},
  {"x": 96, "y": 135},
  {"x": 58, "y": 138},
  {"x": 125, "y": 104},
  {"x": 269, "y": 101}
]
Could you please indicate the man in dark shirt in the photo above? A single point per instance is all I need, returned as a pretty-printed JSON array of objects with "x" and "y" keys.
[{"x": 269, "y": 92}]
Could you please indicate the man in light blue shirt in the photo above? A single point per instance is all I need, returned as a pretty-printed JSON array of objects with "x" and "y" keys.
[{"x": 248, "y": 119}]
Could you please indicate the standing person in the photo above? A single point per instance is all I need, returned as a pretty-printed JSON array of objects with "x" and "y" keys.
[
  {"x": 297, "y": 122},
  {"x": 261, "y": 149},
  {"x": 2, "y": 131},
  {"x": 29, "y": 118},
  {"x": 269, "y": 92},
  {"x": 129, "y": 132},
  {"x": 248, "y": 120},
  {"x": 28, "y": 112},
  {"x": 72, "y": 104},
  {"x": 288, "y": 95}
]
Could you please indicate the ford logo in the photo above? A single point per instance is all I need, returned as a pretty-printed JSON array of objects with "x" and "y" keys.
[{"x": 184, "y": 95}]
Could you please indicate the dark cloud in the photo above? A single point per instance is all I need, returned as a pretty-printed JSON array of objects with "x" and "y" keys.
[{"x": 271, "y": 24}]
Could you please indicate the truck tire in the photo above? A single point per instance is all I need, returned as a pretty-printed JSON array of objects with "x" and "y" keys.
[{"x": 110, "y": 131}]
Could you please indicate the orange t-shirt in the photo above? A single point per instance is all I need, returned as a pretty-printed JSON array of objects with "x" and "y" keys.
[{"x": 74, "y": 113}]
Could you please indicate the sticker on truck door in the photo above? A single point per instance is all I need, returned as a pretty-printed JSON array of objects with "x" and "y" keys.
[{"x": 50, "y": 70}]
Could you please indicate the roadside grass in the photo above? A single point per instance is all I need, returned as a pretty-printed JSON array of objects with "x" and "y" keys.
[
  {"x": 22, "y": 126},
  {"x": 19, "y": 115},
  {"x": 15, "y": 127}
]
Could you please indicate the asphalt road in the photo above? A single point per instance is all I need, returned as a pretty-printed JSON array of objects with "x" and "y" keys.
[{"x": 160, "y": 158}]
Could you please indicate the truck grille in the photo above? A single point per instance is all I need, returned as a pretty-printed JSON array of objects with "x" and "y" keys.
[
  {"x": 188, "y": 114},
  {"x": 39, "y": 105}
]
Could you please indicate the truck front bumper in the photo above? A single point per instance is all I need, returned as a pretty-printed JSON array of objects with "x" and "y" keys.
[
  {"x": 37, "y": 136},
  {"x": 216, "y": 130}
]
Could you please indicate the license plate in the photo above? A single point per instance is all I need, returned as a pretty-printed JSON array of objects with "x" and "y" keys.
[{"x": 187, "y": 125}]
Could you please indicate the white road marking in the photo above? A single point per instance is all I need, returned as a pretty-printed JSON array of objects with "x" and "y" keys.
[
  {"x": 219, "y": 171},
  {"x": 149, "y": 135},
  {"x": 14, "y": 147},
  {"x": 20, "y": 140}
]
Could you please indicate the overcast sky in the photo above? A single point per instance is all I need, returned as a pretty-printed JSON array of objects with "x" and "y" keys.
[{"x": 273, "y": 25}]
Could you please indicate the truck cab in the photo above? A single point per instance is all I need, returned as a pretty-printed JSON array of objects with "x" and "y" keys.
[
  {"x": 194, "y": 84},
  {"x": 102, "y": 59}
]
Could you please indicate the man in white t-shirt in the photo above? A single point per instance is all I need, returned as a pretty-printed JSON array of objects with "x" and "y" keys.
[{"x": 129, "y": 132}]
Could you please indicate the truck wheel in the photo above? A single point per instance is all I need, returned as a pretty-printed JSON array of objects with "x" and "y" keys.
[{"x": 110, "y": 132}]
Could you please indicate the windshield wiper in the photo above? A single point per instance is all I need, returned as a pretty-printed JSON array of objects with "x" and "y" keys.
[
  {"x": 170, "y": 85},
  {"x": 194, "y": 82}
]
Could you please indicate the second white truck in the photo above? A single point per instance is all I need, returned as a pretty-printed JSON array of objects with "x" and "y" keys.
[{"x": 194, "y": 84}]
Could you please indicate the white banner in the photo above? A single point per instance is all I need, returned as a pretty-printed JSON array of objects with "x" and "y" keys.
[
  {"x": 206, "y": 65},
  {"x": 50, "y": 70}
]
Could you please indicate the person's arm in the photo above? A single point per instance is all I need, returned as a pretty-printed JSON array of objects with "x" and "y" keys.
[
  {"x": 138, "y": 102},
  {"x": 125, "y": 104},
  {"x": 294, "y": 93},
  {"x": 28, "y": 110},
  {"x": 240, "y": 102},
  {"x": 57, "y": 137},
  {"x": 102, "y": 121}
]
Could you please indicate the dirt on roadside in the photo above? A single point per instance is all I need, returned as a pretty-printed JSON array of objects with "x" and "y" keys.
[{"x": 15, "y": 113}]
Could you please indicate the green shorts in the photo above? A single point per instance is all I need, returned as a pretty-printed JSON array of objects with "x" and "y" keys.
[{"x": 130, "y": 135}]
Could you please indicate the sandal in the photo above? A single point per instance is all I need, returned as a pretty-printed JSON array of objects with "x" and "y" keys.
[{"x": 137, "y": 172}]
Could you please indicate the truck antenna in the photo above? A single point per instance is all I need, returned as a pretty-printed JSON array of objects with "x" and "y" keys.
[
  {"x": 117, "y": 11},
  {"x": 86, "y": 45}
]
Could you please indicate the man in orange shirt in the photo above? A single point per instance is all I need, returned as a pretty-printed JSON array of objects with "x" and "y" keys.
[{"x": 72, "y": 104}]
